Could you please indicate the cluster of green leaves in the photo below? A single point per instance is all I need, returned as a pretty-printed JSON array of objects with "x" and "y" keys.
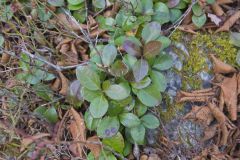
[
  {"x": 235, "y": 40},
  {"x": 78, "y": 7},
  {"x": 121, "y": 88}
]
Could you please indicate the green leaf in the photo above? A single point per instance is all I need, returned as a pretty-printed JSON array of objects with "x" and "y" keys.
[
  {"x": 199, "y": 21},
  {"x": 98, "y": 107},
  {"x": 51, "y": 115},
  {"x": 162, "y": 14},
  {"x": 129, "y": 120},
  {"x": 109, "y": 54},
  {"x": 108, "y": 127},
  {"x": 56, "y": 3},
  {"x": 165, "y": 41},
  {"x": 75, "y": 7},
  {"x": 142, "y": 84},
  {"x": 127, "y": 148},
  {"x": 197, "y": 10},
  {"x": 173, "y": 3},
  {"x": 118, "y": 91},
  {"x": 90, "y": 156},
  {"x": 151, "y": 49},
  {"x": 138, "y": 134},
  {"x": 80, "y": 15},
  {"x": 43, "y": 91},
  {"x": 6, "y": 14},
  {"x": 158, "y": 80},
  {"x": 32, "y": 79},
  {"x": 132, "y": 48},
  {"x": 140, "y": 109},
  {"x": 163, "y": 62},
  {"x": 116, "y": 142},
  {"x": 99, "y": 3},
  {"x": 1, "y": 40},
  {"x": 43, "y": 14},
  {"x": 114, "y": 108},
  {"x": 182, "y": 5},
  {"x": 235, "y": 38},
  {"x": 40, "y": 111},
  {"x": 147, "y": 7},
  {"x": 129, "y": 60},
  {"x": 91, "y": 123},
  {"x": 175, "y": 15},
  {"x": 74, "y": 2},
  {"x": 140, "y": 69},
  {"x": 118, "y": 68},
  {"x": 90, "y": 95},
  {"x": 149, "y": 96},
  {"x": 150, "y": 121},
  {"x": 151, "y": 31},
  {"x": 88, "y": 77}
]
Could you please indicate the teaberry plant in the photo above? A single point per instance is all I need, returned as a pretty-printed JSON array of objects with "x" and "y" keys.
[{"x": 122, "y": 88}]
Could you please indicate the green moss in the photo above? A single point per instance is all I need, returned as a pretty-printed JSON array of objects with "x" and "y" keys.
[
  {"x": 199, "y": 47},
  {"x": 172, "y": 109}
]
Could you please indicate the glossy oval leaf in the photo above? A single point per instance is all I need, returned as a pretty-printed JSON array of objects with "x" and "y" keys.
[
  {"x": 140, "y": 69},
  {"x": 150, "y": 121},
  {"x": 118, "y": 91},
  {"x": 51, "y": 115},
  {"x": 118, "y": 68},
  {"x": 158, "y": 80},
  {"x": 163, "y": 62},
  {"x": 98, "y": 107},
  {"x": 132, "y": 48},
  {"x": 108, "y": 127},
  {"x": 197, "y": 10},
  {"x": 116, "y": 142},
  {"x": 138, "y": 134},
  {"x": 90, "y": 95},
  {"x": 91, "y": 123},
  {"x": 152, "y": 49},
  {"x": 142, "y": 84},
  {"x": 150, "y": 96},
  {"x": 162, "y": 14},
  {"x": 109, "y": 54},
  {"x": 151, "y": 31},
  {"x": 129, "y": 120},
  {"x": 88, "y": 77},
  {"x": 74, "y": 2},
  {"x": 199, "y": 21},
  {"x": 99, "y": 3},
  {"x": 173, "y": 3},
  {"x": 140, "y": 109}
]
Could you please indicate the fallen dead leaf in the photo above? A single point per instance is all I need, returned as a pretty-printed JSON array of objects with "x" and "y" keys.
[
  {"x": 217, "y": 9},
  {"x": 229, "y": 22},
  {"x": 64, "y": 84},
  {"x": 78, "y": 131},
  {"x": 229, "y": 91},
  {"x": 95, "y": 148},
  {"x": 221, "y": 67},
  {"x": 209, "y": 132},
  {"x": 28, "y": 140}
]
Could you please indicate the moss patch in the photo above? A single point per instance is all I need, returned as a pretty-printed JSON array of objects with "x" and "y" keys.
[{"x": 199, "y": 47}]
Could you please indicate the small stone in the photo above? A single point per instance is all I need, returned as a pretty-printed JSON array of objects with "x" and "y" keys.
[
  {"x": 144, "y": 157},
  {"x": 154, "y": 157}
]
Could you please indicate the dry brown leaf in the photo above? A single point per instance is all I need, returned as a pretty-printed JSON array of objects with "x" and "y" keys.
[
  {"x": 209, "y": 132},
  {"x": 217, "y": 113},
  {"x": 78, "y": 131},
  {"x": 187, "y": 28},
  {"x": 64, "y": 84},
  {"x": 28, "y": 140},
  {"x": 187, "y": 19},
  {"x": 229, "y": 22},
  {"x": 95, "y": 148},
  {"x": 221, "y": 67},
  {"x": 67, "y": 21},
  {"x": 5, "y": 58},
  {"x": 238, "y": 82},
  {"x": 229, "y": 91},
  {"x": 201, "y": 115},
  {"x": 217, "y": 9},
  {"x": 56, "y": 84}
]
